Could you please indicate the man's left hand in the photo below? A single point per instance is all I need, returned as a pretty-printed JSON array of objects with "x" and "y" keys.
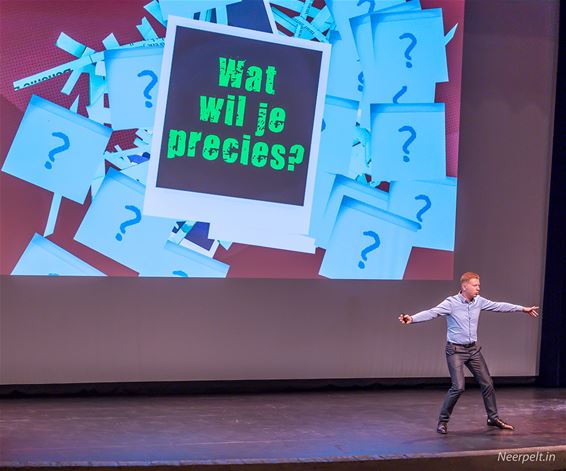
[{"x": 531, "y": 311}]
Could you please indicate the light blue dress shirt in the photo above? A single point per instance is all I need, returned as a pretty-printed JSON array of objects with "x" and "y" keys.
[{"x": 462, "y": 315}]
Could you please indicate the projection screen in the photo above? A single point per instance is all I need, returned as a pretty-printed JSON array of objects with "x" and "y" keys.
[{"x": 253, "y": 301}]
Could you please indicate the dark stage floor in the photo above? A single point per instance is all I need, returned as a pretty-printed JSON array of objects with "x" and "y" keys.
[{"x": 316, "y": 427}]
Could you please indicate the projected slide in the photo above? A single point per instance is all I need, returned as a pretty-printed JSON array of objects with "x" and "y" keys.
[{"x": 231, "y": 138}]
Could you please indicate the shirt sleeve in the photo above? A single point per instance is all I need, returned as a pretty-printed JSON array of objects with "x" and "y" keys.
[
  {"x": 443, "y": 309},
  {"x": 488, "y": 305}
]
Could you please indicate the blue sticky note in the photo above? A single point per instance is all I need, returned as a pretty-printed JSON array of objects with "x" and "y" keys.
[
  {"x": 342, "y": 11},
  {"x": 43, "y": 257},
  {"x": 337, "y": 135},
  {"x": 345, "y": 78},
  {"x": 56, "y": 149},
  {"x": 433, "y": 205},
  {"x": 361, "y": 30},
  {"x": 177, "y": 261},
  {"x": 368, "y": 243},
  {"x": 408, "y": 142},
  {"x": 344, "y": 71},
  {"x": 114, "y": 224},
  {"x": 346, "y": 188},
  {"x": 133, "y": 78},
  {"x": 410, "y": 56}
]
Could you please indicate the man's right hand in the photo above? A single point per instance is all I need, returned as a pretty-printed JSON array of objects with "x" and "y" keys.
[{"x": 405, "y": 319}]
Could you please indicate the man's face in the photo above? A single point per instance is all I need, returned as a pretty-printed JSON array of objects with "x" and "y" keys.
[{"x": 471, "y": 288}]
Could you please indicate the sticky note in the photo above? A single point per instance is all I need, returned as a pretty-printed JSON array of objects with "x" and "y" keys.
[
  {"x": 343, "y": 11},
  {"x": 114, "y": 224},
  {"x": 433, "y": 205},
  {"x": 361, "y": 29},
  {"x": 344, "y": 187},
  {"x": 368, "y": 243},
  {"x": 56, "y": 149},
  {"x": 345, "y": 70},
  {"x": 177, "y": 261},
  {"x": 43, "y": 257},
  {"x": 337, "y": 135},
  {"x": 133, "y": 79},
  {"x": 410, "y": 56},
  {"x": 408, "y": 142},
  {"x": 345, "y": 78}
]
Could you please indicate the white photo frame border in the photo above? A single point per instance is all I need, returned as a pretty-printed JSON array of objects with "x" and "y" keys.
[{"x": 188, "y": 205}]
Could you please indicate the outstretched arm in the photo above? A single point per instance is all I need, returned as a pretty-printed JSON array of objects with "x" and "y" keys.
[
  {"x": 488, "y": 305},
  {"x": 442, "y": 309}
]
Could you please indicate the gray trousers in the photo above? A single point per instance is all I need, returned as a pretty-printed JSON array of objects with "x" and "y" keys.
[{"x": 457, "y": 356}]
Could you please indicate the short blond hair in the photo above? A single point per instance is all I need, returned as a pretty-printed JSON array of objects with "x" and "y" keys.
[{"x": 469, "y": 275}]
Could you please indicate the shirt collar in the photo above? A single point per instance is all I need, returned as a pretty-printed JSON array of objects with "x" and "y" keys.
[{"x": 463, "y": 299}]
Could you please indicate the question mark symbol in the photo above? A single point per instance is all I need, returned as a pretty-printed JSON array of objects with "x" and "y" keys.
[
  {"x": 371, "y": 4},
  {"x": 425, "y": 208},
  {"x": 130, "y": 222},
  {"x": 368, "y": 249},
  {"x": 180, "y": 273},
  {"x": 361, "y": 80},
  {"x": 411, "y": 46},
  {"x": 296, "y": 156},
  {"x": 399, "y": 94},
  {"x": 150, "y": 85},
  {"x": 409, "y": 141},
  {"x": 53, "y": 152}
]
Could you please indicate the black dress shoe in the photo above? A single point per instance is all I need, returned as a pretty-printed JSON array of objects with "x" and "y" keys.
[
  {"x": 500, "y": 424},
  {"x": 442, "y": 428}
]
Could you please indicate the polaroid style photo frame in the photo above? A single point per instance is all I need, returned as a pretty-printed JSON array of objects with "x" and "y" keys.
[{"x": 237, "y": 127}]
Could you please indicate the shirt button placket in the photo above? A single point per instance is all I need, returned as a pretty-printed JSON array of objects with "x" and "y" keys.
[{"x": 469, "y": 326}]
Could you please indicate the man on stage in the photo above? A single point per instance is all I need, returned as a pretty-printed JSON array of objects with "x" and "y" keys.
[{"x": 463, "y": 311}]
